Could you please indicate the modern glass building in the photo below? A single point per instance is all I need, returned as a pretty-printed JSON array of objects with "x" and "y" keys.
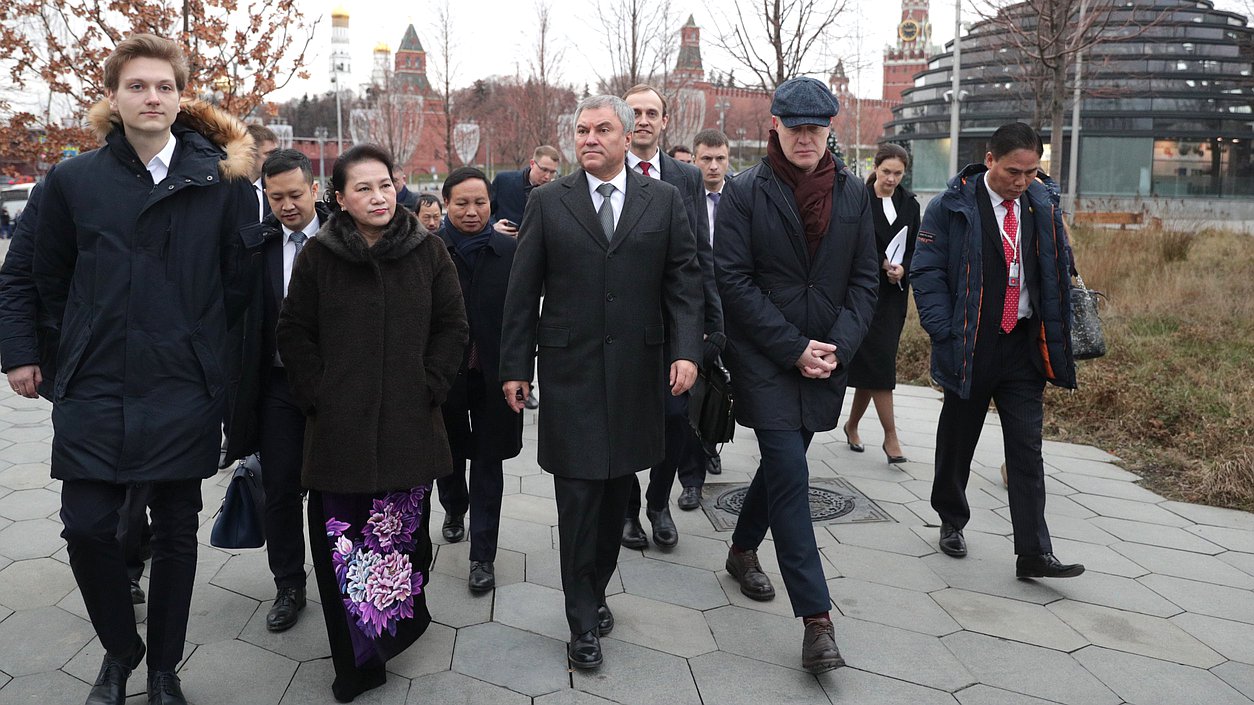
[{"x": 1166, "y": 113}]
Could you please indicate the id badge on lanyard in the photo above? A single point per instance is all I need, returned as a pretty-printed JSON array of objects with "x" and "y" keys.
[
  {"x": 1012, "y": 271},
  {"x": 1013, "y": 279}
]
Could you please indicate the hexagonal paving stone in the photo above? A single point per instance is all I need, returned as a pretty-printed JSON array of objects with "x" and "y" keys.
[
  {"x": 849, "y": 685},
  {"x": 572, "y": 697},
  {"x": 1147, "y": 681},
  {"x": 660, "y": 626},
  {"x": 634, "y": 674},
  {"x": 453, "y": 560},
  {"x": 452, "y": 604},
  {"x": 255, "y": 675},
  {"x": 19, "y": 453},
  {"x": 27, "y": 434},
  {"x": 44, "y": 688},
  {"x": 728, "y": 679},
  {"x": 893, "y": 538},
  {"x": 33, "y": 538},
  {"x": 984, "y": 695},
  {"x": 1095, "y": 558},
  {"x": 1235, "y": 640},
  {"x": 41, "y": 639},
  {"x": 1204, "y": 598},
  {"x": 27, "y": 476},
  {"x": 1237, "y": 675},
  {"x": 449, "y": 688},
  {"x": 1120, "y": 593},
  {"x": 897, "y": 653},
  {"x": 511, "y": 658},
  {"x": 894, "y": 606},
  {"x": 1231, "y": 539},
  {"x": 29, "y": 504},
  {"x": 523, "y": 536},
  {"x": 1009, "y": 619},
  {"x": 432, "y": 654},
  {"x": 532, "y": 608},
  {"x": 1028, "y": 670},
  {"x": 990, "y": 575},
  {"x": 1212, "y": 516},
  {"x": 312, "y": 686},
  {"x": 217, "y": 615},
  {"x": 1184, "y": 564},
  {"x": 305, "y": 641},
  {"x": 676, "y": 584},
  {"x": 39, "y": 582},
  {"x": 873, "y": 566},
  {"x": 248, "y": 574}
]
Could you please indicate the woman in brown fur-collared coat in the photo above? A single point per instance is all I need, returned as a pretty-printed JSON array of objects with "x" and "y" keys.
[{"x": 371, "y": 333}]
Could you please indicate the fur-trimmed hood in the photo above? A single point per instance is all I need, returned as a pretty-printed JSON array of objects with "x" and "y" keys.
[
  {"x": 222, "y": 129},
  {"x": 400, "y": 237}
]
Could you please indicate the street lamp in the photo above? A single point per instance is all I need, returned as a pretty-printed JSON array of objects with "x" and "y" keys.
[
  {"x": 722, "y": 107},
  {"x": 740, "y": 147},
  {"x": 320, "y": 134},
  {"x": 956, "y": 91}
]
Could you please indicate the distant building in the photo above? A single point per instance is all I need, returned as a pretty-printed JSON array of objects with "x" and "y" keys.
[{"x": 1167, "y": 117}]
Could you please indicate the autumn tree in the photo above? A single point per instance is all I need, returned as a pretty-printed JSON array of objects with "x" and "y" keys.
[
  {"x": 392, "y": 118},
  {"x": 544, "y": 98},
  {"x": 639, "y": 38},
  {"x": 776, "y": 40},
  {"x": 445, "y": 67},
  {"x": 58, "y": 48}
]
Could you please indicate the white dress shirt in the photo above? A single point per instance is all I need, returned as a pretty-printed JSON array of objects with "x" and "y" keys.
[
  {"x": 709, "y": 207},
  {"x": 159, "y": 165},
  {"x": 616, "y": 199},
  {"x": 655, "y": 164},
  {"x": 999, "y": 212},
  {"x": 890, "y": 211},
  {"x": 261, "y": 200},
  {"x": 289, "y": 259}
]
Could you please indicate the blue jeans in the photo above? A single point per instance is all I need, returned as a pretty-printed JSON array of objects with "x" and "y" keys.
[{"x": 779, "y": 499}]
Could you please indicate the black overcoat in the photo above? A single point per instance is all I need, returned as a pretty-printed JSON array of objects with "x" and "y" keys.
[
  {"x": 371, "y": 338},
  {"x": 609, "y": 308},
  {"x": 776, "y": 297},
  {"x": 19, "y": 299},
  {"x": 138, "y": 283},
  {"x": 497, "y": 433}
]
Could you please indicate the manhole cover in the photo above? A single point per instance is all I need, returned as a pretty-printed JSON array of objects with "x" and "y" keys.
[{"x": 832, "y": 501}]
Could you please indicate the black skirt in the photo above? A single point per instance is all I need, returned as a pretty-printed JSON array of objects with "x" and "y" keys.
[{"x": 874, "y": 365}]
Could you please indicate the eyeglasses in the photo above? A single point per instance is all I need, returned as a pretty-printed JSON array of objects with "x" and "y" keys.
[{"x": 547, "y": 172}]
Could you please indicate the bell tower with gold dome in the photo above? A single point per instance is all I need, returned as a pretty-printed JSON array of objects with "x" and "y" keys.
[{"x": 909, "y": 56}]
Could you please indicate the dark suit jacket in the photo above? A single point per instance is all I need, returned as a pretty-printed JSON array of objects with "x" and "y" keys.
[
  {"x": 687, "y": 178},
  {"x": 608, "y": 310},
  {"x": 509, "y": 195},
  {"x": 497, "y": 431},
  {"x": 995, "y": 272}
]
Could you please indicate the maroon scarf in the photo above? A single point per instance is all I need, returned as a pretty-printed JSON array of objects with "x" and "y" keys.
[{"x": 812, "y": 191}]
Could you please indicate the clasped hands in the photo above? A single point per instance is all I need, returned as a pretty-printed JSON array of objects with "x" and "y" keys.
[{"x": 818, "y": 361}]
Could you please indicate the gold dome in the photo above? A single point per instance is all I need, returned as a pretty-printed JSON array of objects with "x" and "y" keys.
[
  {"x": 382, "y": 48},
  {"x": 339, "y": 12}
]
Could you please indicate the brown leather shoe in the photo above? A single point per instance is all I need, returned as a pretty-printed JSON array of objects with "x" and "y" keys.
[
  {"x": 818, "y": 649},
  {"x": 744, "y": 567}
]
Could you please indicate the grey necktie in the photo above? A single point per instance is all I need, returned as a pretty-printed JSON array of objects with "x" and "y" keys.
[
  {"x": 606, "y": 212},
  {"x": 298, "y": 239}
]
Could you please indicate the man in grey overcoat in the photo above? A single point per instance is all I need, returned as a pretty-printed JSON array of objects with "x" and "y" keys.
[{"x": 616, "y": 260}]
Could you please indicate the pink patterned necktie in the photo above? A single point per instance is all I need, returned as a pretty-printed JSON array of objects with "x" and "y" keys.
[{"x": 1010, "y": 312}]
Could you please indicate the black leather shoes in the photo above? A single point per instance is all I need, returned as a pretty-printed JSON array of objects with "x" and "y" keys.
[
  {"x": 633, "y": 534},
  {"x": 164, "y": 689},
  {"x": 951, "y": 541},
  {"x": 665, "y": 534},
  {"x": 1045, "y": 565},
  {"x": 137, "y": 594},
  {"x": 584, "y": 651},
  {"x": 454, "y": 528},
  {"x": 744, "y": 567},
  {"x": 818, "y": 649},
  {"x": 287, "y": 605},
  {"x": 605, "y": 620},
  {"x": 713, "y": 463},
  {"x": 110, "y": 685},
  {"x": 482, "y": 576},
  {"x": 689, "y": 499}
]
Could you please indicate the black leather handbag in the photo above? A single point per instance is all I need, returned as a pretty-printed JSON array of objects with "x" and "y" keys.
[
  {"x": 239, "y": 522},
  {"x": 711, "y": 406},
  {"x": 1088, "y": 341}
]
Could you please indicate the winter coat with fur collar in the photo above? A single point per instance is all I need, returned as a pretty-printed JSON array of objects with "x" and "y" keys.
[
  {"x": 137, "y": 283},
  {"x": 372, "y": 338}
]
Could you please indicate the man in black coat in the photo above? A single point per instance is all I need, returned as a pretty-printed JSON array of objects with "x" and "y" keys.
[
  {"x": 510, "y": 189},
  {"x": 265, "y": 417},
  {"x": 482, "y": 430},
  {"x": 798, "y": 273},
  {"x": 616, "y": 261},
  {"x": 685, "y": 455},
  {"x": 140, "y": 267}
]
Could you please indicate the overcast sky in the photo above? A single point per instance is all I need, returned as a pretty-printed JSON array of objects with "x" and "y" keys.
[{"x": 496, "y": 37}]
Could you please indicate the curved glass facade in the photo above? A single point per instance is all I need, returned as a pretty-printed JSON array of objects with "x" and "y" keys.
[{"x": 1168, "y": 111}]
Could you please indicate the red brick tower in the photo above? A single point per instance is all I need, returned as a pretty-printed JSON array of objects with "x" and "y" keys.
[{"x": 914, "y": 40}]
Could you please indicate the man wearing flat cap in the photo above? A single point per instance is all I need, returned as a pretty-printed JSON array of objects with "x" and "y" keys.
[{"x": 797, "y": 270}]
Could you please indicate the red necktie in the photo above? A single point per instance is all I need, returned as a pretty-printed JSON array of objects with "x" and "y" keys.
[
  {"x": 1010, "y": 312},
  {"x": 644, "y": 168}
]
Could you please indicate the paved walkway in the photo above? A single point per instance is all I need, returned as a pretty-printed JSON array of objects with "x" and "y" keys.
[{"x": 1165, "y": 614}]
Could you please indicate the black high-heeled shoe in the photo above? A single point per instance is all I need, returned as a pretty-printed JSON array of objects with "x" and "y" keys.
[
  {"x": 893, "y": 459},
  {"x": 855, "y": 447}
]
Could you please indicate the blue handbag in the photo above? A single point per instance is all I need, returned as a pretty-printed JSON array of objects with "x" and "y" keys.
[{"x": 239, "y": 522}]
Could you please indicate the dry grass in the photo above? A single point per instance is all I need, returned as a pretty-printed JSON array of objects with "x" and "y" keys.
[{"x": 1174, "y": 396}]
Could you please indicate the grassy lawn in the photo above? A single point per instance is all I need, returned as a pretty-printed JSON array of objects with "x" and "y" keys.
[{"x": 1174, "y": 396}]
